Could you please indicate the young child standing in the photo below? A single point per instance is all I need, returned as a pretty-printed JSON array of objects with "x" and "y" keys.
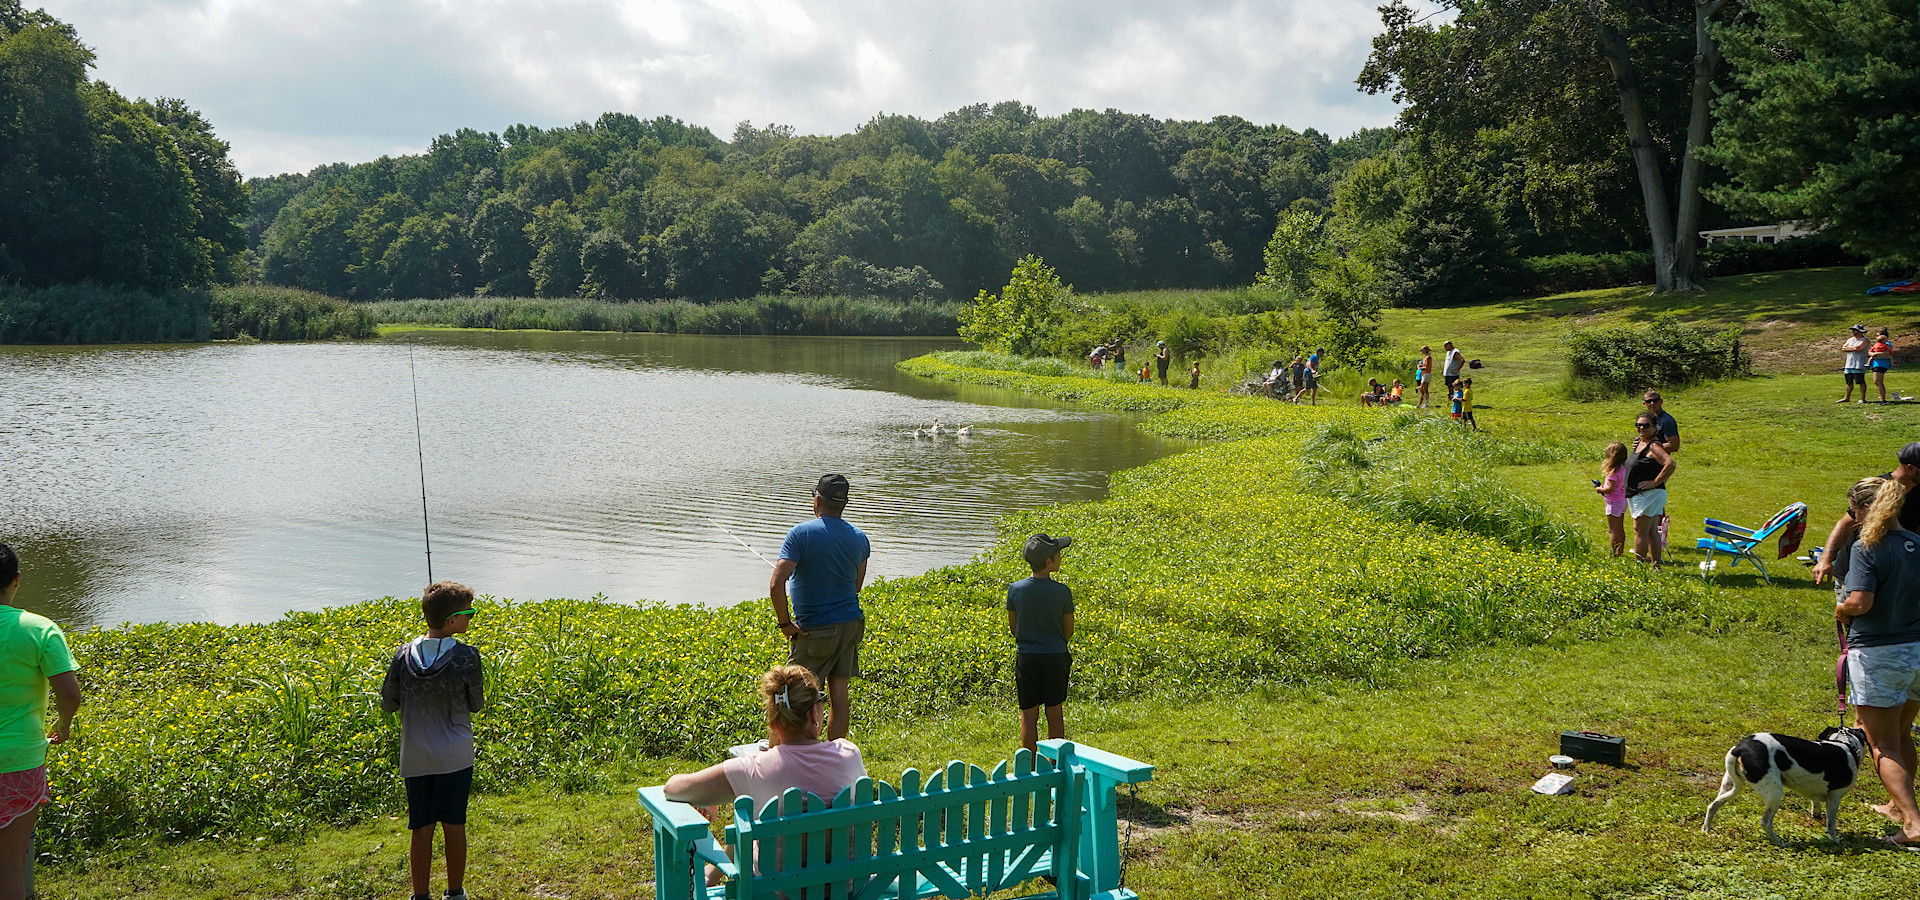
[
  {"x": 1879, "y": 360},
  {"x": 1456, "y": 397},
  {"x": 1040, "y": 616},
  {"x": 1612, "y": 487},
  {"x": 1193, "y": 377},
  {"x": 1466, "y": 403},
  {"x": 435, "y": 684}
]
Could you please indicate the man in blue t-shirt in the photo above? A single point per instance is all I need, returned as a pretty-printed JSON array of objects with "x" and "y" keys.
[
  {"x": 1040, "y": 616},
  {"x": 822, "y": 566}
]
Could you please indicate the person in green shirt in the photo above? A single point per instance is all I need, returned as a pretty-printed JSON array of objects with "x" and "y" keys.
[{"x": 33, "y": 655}]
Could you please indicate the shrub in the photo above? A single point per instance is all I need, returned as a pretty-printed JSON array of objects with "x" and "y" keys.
[
  {"x": 1020, "y": 318},
  {"x": 1581, "y": 272},
  {"x": 1662, "y": 353},
  {"x": 1744, "y": 257},
  {"x": 850, "y": 316}
]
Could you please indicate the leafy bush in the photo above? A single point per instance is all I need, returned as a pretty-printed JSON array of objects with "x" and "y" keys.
[
  {"x": 1662, "y": 353},
  {"x": 850, "y": 316},
  {"x": 91, "y": 314},
  {"x": 268, "y": 313},
  {"x": 1581, "y": 272},
  {"x": 1744, "y": 258}
]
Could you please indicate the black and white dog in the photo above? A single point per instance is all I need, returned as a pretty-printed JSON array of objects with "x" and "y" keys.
[{"x": 1818, "y": 770}]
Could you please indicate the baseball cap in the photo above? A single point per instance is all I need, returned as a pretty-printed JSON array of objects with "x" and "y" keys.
[
  {"x": 1041, "y": 548},
  {"x": 1860, "y": 328},
  {"x": 1910, "y": 454},
  {"x": 1162, "y": 344},
  {"x": 832, "y": 487}
]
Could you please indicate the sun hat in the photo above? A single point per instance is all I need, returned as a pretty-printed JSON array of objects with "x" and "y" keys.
[
  {"x": 1860, "y": 328},
  {"x": 1040, "y": 548}
]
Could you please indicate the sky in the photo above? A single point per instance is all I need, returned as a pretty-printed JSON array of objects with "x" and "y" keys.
[{"x": 292, "y": 84}]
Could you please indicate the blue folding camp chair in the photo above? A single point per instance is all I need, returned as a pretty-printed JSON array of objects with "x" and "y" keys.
[{"x": 1789, "y": 525}]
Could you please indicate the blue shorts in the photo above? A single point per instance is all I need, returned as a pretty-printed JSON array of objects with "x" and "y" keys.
[
  {"x": 438, "y": 798},
  {"x": 1883, "y": 676}
]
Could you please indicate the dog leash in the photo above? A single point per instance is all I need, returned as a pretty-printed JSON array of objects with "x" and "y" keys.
[{"x": 1840, "y": 671}]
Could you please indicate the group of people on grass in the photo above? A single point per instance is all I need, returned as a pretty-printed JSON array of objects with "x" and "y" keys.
[
  {"x": 1297, "y": 381},
  {"x": 435, "y": 683},
  {"x": 1633, "y": 480},
  {"x": 1863, "y": 356},
  {"x": 1115, "y": 352}
]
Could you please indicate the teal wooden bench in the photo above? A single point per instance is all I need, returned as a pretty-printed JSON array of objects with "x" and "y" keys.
[{"x": 962, "y": 833}]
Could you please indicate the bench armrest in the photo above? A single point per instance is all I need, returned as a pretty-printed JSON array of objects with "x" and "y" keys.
[
  {"x": 685, "y": 823},
  {"x": 1111, "y": 766}
]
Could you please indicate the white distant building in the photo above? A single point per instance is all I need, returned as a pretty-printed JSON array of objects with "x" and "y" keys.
[{"x": 1759, "y": 234}]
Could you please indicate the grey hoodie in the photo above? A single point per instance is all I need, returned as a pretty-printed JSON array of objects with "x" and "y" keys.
[{"x": 435, "y": 703}]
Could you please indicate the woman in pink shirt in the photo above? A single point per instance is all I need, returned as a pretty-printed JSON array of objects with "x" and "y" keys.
[{"x": 795, "y": 757}]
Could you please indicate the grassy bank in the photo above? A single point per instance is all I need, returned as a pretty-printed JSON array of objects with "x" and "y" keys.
[
  {"x": 845, "y": 316},
  {"x": 1347, "y": 657},
  {"x": 91, "y": 314}
]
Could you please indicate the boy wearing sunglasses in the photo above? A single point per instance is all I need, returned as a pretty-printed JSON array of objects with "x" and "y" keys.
[{"x": 435, "y": 683}]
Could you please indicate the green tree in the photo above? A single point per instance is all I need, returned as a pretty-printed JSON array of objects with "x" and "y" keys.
[
  {"x": 1020, "y": 317},
  {"x": 1541, "y": 78},
  {"x": 1824, "y": 121},
  {"x": 1294, "y": 254}
]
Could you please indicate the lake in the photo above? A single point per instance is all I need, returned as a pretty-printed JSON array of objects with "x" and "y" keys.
[{"x": 235, "y": 482}]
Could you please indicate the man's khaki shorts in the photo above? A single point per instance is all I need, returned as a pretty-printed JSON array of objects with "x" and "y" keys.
[{"x": 829, "y": 651}]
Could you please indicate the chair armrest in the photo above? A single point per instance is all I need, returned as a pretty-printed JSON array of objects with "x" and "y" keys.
[
  {"x": 1732, "y": 537},
  {"x": 685, "y": 823},
  {"x": 1729, "y": 526},
  {"x": 709, "y": 850},
  {"x": 1112, "y": 766}
]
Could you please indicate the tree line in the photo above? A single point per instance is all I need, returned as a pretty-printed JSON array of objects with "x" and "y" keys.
[{"x": 1540, "y": 142}]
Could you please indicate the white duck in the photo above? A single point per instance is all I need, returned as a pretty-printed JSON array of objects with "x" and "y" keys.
[
  {"x": 937, "y": 430},
  {"x": 964, "y": 431}
]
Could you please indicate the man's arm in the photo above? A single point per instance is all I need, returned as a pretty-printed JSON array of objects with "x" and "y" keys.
[
  {"x": 860, "y": 577},
  {"x": 1013, "y": 624},
  {"x": 1842, "y": 532},
  {"x": 1066, "y": 625},
  {"x": 777, "y": 592},
  {"x": 1672, "y": 442},
  {"x": 707, "y": 787},
  {"x": 66, "y": 698},
  {"x": 1858, "y": 603}
]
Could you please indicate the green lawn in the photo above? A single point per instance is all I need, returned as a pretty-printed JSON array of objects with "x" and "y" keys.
[{"x": 1411, "y": 784}]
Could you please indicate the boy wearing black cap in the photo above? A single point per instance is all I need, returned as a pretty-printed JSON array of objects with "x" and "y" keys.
[
  {"x": 1040, "y": 616},
  {"x": 822, "y": 566}
]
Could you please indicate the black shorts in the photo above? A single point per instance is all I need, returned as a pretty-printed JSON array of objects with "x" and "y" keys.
[
  {"x": 1449, "y": 379},
  {"x": 438, "y": 798},
  {"x": 1040, "y": 679},
  {"x": 1859, "y": 378}
]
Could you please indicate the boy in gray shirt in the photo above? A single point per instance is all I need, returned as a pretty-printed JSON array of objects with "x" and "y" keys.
[
  {"x": 1040, "y": 616},
  {"x": 435, "y": 684}
]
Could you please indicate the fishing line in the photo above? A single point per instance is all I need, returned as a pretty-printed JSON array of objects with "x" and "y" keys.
[
  {"x": 419, "y": 447},
  {"x": 737, "y": 540}
]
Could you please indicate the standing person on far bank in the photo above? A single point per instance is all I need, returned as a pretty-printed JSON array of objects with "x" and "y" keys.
[
  {"x": 1668, "y": 429},
  {"x": 1040, "y": 616},
  {"x": 1450, "y": 366},
  {"x": 1161, "y": 358},
  {"x": 822, "y": 567},
  {"x": 1423, "y": 376},
  {"x": 436, "y": 685},
  {"x": 1879, "y": 360},
  {"x": 33, "y": 657},
  {"x": 1193, "y": 377},
  {"x": 1854, "y": 366}
]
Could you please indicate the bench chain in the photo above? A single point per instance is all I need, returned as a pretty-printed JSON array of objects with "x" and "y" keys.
[{"x": 1126, "y": 846}]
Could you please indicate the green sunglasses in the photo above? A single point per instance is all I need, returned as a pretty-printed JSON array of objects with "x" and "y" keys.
[{"x": 465, "y": 612}]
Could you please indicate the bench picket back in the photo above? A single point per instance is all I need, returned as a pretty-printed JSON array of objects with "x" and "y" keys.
[{"x": 962, "y": 833}]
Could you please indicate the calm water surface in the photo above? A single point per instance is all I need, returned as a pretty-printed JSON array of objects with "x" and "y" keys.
[{"x": 232, "y": 483}]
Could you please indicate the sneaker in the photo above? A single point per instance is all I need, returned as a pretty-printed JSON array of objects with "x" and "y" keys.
[{"x": 460, "y": 894}]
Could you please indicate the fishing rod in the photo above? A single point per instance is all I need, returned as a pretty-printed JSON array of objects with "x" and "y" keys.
[
  {"x": 419, "y": 447},
  {"x": 737, "y": 540}
]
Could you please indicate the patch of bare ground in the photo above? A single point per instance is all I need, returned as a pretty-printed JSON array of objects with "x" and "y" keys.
[{"x": 1413, "y": 809}]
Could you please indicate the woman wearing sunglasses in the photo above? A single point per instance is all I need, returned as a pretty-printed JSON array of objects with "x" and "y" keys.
[{"x": 1648, "y": 468}]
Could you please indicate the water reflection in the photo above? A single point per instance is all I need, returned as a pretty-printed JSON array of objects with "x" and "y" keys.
[{"x": 231, "y": 483}]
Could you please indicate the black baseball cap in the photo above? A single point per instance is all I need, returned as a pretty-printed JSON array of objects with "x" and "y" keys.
[
  {"x": 1041, "y": 548},
  {"x": 1910, "y": 454},
  {"x": 832, "y": 487}
]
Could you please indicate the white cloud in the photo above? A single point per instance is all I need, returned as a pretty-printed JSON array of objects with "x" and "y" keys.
[{"x": 296, "y": 83}]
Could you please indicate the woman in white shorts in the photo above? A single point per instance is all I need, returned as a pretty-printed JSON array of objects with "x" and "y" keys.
[
  {"x": 1648, "y": 468},
  {"x": 1882, "y": 615}
]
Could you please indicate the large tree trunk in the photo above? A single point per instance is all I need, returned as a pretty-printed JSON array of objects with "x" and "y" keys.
[
  {"x": 1646, "y": 157},
  {"x": 1706, "y": 63}
]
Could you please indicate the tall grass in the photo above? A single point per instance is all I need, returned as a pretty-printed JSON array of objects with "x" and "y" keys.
[
  {"x": 1429, "y": 470},
  {"x": 93, "y": 314},
  {"x": 846, "y": 316},
  {"x": 268, "y": 313}
]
